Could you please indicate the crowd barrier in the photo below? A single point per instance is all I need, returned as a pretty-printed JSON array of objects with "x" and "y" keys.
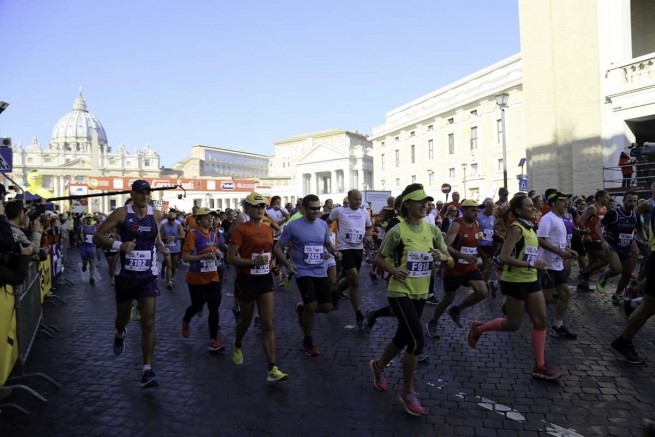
[{"x": 21, "y": 319}]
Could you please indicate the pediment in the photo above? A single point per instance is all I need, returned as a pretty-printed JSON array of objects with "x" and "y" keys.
[
  {"x": 80, "y": 162},
  {"x": 321, "y": 152}
]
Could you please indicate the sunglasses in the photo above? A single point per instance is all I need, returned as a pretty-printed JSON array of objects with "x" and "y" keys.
[
  {"x": 314, "y": 208},
  {"x": 259, "y": 206}
]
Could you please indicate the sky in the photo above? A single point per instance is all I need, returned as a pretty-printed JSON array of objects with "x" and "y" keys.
[{"x": 237, "y": 74}]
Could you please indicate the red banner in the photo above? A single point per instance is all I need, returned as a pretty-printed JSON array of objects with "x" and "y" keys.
[{"x": 118, "y": 183}]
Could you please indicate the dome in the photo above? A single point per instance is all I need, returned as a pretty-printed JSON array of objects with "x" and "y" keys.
[{"x": 77, "y": 126}]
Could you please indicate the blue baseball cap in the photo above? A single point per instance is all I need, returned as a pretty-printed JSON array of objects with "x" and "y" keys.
[{"x": 140, "y": 185}]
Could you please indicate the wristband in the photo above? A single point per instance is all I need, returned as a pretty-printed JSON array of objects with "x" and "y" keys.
[{"x": 116, "y": 245}]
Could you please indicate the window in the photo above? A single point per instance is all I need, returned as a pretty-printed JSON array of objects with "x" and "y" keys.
[
  {"x": 430, "y": 127},
  {"x": 146, "y": 162},
  {"x": 474, "y": 138},
  {"x": 474, "y": 169},
  {"x": 382, "y": 161},
  {"x": 397, "y": 139},
  {"x": 29, "y": 160},
  {"x": 430, "y": 149},
  {"x": 382, "y": 144},
  {"x": 499, "y": 131},
  {"x": 451, "y": 120},
  {"x": 451, "y": 172},
  {"x": 431, "y": 177},
  {"x": 500, "y": 164},
  {"x": 383, "y": 183},
  {"x": 412, "y": 154},
  {"x": 397, "y": 158},
  {"x": 474, "y": 113},
  {"x": 412, "y": 134},
  {"x": 211, "y": 204},
  {"x": 451, "y": 144},
  {"x": 413, "y": 178},
  {"x": 397, "y": 182},
  {"x": 47, "y": 159}
]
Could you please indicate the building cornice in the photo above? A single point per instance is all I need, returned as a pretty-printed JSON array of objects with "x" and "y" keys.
[{"x": 325, "y": 133}]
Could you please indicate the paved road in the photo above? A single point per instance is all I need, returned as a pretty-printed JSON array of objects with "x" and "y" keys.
[{"x": 484, "y": 392}]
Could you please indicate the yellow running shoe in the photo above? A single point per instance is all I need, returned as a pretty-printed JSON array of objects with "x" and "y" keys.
[
  {"x": 276, "y": 375},
  {"x": 237, "y": 355}
]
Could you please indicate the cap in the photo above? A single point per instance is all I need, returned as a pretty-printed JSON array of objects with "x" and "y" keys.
[
  {"x": 470, "y": 202},
  {"x": 345, "y": 199},
  {"x": 140, "y": 185},
  {"x": 557, "y": 195},
  {"x": 205, "y": 211},
  {"x": 503, "y": 191},
  {"x": 417, "y": 195},
  {"x": 255, "y": 199}
]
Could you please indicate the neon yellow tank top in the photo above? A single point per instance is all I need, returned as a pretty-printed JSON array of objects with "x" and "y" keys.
[{"x": 416, "y": 258}]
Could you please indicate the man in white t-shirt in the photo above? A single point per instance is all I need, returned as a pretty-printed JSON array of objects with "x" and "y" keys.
[
  {"x": 276, "y": 213},
  {"x": 553, "y": 248},
  {"x": 354, "y": 231},
  {"x": 430, "y": 215}
]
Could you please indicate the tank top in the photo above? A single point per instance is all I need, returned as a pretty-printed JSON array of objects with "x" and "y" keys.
[
  {"x": 487, "y": 225},
  {"x": 86, "y": 235},
  {"x": 171, "y": 231},
  {"x": 467, "y": 243},
  {"x": 593, "y": 221},
  {"x": 568, "y": 223},
  {"x": 204, "y": 244},
  {"x": 141, "y": 263},
  {"x": 621, "y": 232},
  {"x": 413, "y": 254},
  {"x": 526, "y": 249}
]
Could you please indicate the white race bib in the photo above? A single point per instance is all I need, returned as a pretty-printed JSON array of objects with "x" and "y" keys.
[
  {"x": 530, "y": 254},
  {"x": 569, "y": 237},
  {"x": 467, "y": 251},
  {"x": 354, "y": 236},
  {"x": 419, "y": 264},
  {"x": 208, "y": 265},
  {"x": 625, "y": 240},
  {"x": 88, "y": 238},
  {"x": 314, "y": 255},
  {"x": 488, "y": 235},
  {"x": 138, "y": 260},
  {"x": 262, "y": 269},
  {"x": 173, "y": 243}
]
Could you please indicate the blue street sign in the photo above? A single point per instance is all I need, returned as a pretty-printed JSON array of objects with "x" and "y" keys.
[
  {"x": 522, "y": 162},
  {"x": 6, "y": 160},
  {"x": 523, "y": 185}
]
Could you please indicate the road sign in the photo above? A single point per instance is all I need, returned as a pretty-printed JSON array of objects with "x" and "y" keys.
[
  {"x": 523, "y": 185},
  {"x": 522, "y": 162},
  {"x": 445, "y": 188},
  {"x": 6, "y": 160}
]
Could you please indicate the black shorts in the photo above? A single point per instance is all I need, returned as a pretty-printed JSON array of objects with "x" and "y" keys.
[
  {"x": 314, "y": 289},
  {"x": 576, "y": 244},
  {"x": 351, "y": 259},
  {"x": 649, "y": 289},
  {"x": 593, "y": 246},
  {"x": 452, "y": 282},
  {"x": 519, "y": 290},
  {"x": 249, "y": 287},
  {"x": 128, "y": 288},
  {"x": 553, "y": 278},
  {"x": 484, "y": 251}
]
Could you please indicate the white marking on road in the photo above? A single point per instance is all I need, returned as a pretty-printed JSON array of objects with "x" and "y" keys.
[
  {"x": 558, "y": 431},
  {"x": 349, "y": 327}
]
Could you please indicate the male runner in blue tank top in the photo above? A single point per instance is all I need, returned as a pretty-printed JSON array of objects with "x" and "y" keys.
[{"x": 138, "y": 229}]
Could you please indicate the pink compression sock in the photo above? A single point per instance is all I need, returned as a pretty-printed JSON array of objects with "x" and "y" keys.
[
  {"x": 539, "y": 344},
  {"x": 492, "y": 325}
]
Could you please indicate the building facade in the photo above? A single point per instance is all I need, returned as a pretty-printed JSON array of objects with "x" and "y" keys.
[{"x": 454, "y": 135}]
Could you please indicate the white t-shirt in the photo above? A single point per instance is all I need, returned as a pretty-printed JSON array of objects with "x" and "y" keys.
[
  {"x": 430, "y": 218},
  {"x": 552, "y": 228},
  {"x": 277, "y": 216},
  {"x": 352, "y": 227}
]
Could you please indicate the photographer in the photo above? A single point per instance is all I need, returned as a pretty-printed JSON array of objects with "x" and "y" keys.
[
  {"x": 15, "y": 215},
  {"x": 14, "y": 257},
  {"x": 627, "y": 169}
]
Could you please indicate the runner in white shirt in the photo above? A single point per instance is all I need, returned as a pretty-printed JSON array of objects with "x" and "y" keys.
[
  {"x": 431, "y": 214},
  {"x": 280, "y": 216},
  {"x": 354, "y": 231},
  {"x": 553, "y": 249}
]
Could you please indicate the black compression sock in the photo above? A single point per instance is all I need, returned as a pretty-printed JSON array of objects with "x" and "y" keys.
[
  {"x": 359, "y": 315},
  {"x": 270, "y": 366},
  {"x": 382, "y": 312}
]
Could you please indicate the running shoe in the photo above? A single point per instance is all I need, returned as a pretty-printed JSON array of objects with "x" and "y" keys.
[
  {"x": 257, "y": 323},
  {"x": 374, "y": 277},
  {"x": 119, "y": 343},
  {"x": 237, "y": 355},
  {"x": 369, "y": 261},
  {"x": 583, "y": 288},
  {"x": 300, "y": 307},
  {"x": 237, "y": 313},
  {"x": 628, "y": 352},
  {"x": 474, "y": 335},
  {"x": 627, "y": 307},
  {"x": 169, "y": 286},
  {"x": 455, "y": 315},
  {"x": 309, "y": 348},
  {"x": 344, "y": 296},
  {"x": 92, "y": 280},
  {"x": 545, "y": 372},
  {"x": 148, "y": 379},
  {"x": 186, "y": 329},
  {"x": 370, "y": 321},
  {"x": 215, "y": 346},
  {"x": 616, "y": 298},
  {"x": 432, "y": 329},
  {"x": 423, "y": 358},
  {"x": 493, "y": 288},
  {"x": 360, "y": 322},
  {"x": 562, "y": 331},
  {"x": 276, "y": 375},
  {"x": 600, "y": 286},
  {"x": 432, "y": 300},
  {"x": 412, "y": 404},
  {"x": 379, "y": 376},
  {"x": 280, "y": 282},
  {"x": 287, "y": 282}
]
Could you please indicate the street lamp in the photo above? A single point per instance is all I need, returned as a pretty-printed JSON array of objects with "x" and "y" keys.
[{"x": 501, "y": 101}]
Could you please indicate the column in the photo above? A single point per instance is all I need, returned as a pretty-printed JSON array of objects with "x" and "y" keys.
[
  {"x": 321, "y": 184},
  {"x": 360, "y": 179},
  {"x": 333, "y": 182},
  {"x": 312, "y": 184}
]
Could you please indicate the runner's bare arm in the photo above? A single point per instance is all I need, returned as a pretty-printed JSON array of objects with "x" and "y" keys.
[{"x": 586, "y": 215}]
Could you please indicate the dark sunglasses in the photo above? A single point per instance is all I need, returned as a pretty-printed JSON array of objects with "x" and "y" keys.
[
  {"x": 314, "y": 208},
  {"x": 259, "y": 205}
]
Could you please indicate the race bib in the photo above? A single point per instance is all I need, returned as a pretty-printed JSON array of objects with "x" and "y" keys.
[
  {"x": 88, "y": 238},
  {"x": 530, "y": 254},
  {"x": 173, "y": 243},
  {"x": 569, "y": 237},
  {"x": 419, "y": 264},
  {"x": 625, "y": 239},
  {"x": 138, "y": 260},
  {"x": 488, "y": 235},
  {"x": 263, "y": 269},
  {"x": 314, "y": 255},
  {"x": 354, "y": 236},
  {"x": 467, "y": 251},
  {"x": 208, "y": 265}
]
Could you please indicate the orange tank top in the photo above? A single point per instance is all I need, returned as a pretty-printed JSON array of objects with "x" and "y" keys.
[
  {"x": 466, "y": 242},
  {"x": 593, "y": 221}
]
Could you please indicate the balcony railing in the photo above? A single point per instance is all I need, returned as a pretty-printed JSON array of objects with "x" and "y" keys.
[{"x": 639, "y": 71}]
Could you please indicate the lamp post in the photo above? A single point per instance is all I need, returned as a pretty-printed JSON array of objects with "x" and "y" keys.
[{"x": 501, "y": 101}]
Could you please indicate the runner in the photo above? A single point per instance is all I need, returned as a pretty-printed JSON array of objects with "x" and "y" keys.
[
  {"x": 138, "y": 231},
  {"x": 112, "y": 255},
  {"x": 190, "y": 222},
  {"x": 202, "y": 252},
  {"x": 171, "y": 234},
  {"x": 462, "y": 239},
  {"x": 620, "y": 225},
  {"x": 310, "y": 239},
  {"x": 413, "y": 245},
  {"x": 487, "y": 226},
  {"x": 587, "y": 222},
  {"x": 354, "y": 231},
  {"x": 280, "y": 216},
  {"x": 520, "y": 285},
  {"x": 87, "y": 247},
  {"x": 553, "y": 250},
  {"x": 250, "y": 250}
]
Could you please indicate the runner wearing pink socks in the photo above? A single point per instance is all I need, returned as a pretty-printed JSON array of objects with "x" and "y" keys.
[{"x": 520, "y": 285}]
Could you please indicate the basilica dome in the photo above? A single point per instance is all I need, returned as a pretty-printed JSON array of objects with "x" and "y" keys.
[{"x": 73, "y": 131}]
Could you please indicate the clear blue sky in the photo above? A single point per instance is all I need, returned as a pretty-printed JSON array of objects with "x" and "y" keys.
[{"x": 238, "y": 74}]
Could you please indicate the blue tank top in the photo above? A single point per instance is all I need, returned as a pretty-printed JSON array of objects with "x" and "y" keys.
[
  {"x": 220, "y": 264},
  {"x": 141, "y": 263},
  {"x": 568, "y": 223},
  {"x": 621, "y": 232},
  {"x": 86, "y": 235},
  {"x": 171, "y": 231},
  {"x": 486, "y": 225},
  {"x": 204, "y": 245}
]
